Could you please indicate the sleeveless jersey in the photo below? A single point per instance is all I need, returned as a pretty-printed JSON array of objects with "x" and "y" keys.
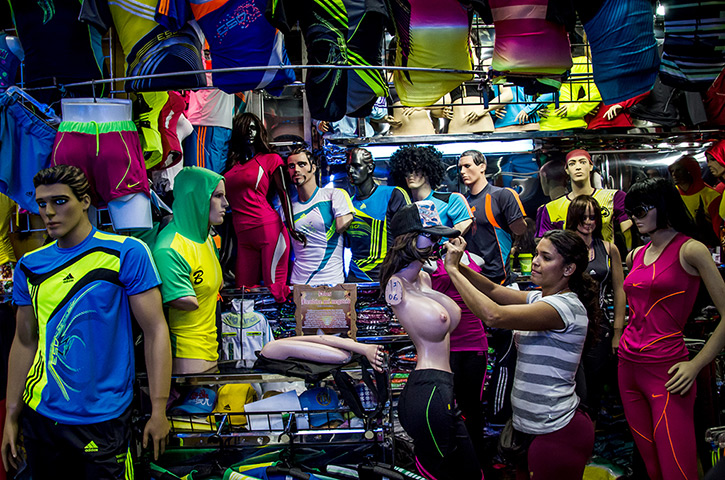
[{"x": 660, "y": 297}]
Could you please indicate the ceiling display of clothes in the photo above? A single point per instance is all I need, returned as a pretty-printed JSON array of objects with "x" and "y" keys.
[
  {"x": 342, "y": 32},
  {"x": 149, "y": 47},
  {"x": 430, "y": 34},
  {"x": 694, "y": 48},
  {"x": 624, "y": 49},
  {"x": 238, "y": 36}
]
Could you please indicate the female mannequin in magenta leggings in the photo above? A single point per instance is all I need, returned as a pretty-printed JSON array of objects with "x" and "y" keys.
[{"x": 656, "y": 380}]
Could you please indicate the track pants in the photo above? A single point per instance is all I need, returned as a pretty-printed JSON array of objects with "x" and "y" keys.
[{"x": 662, "y": 424}]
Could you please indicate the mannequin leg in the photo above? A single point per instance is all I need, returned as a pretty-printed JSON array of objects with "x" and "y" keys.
[
  {"x": 249, "y": 260},
  {"x": 275, "y": 260}
]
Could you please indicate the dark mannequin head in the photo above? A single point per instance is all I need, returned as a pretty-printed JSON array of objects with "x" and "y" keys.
[
  {"x": 360, "y": 168},
  {"x": 249, "y": 137},
  {"x": 662, "y": 194}
]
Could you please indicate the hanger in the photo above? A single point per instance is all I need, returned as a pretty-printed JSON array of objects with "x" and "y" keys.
[{"x": 51, "y": 118}]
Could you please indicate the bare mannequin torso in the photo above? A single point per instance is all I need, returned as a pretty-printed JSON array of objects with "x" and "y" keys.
[
  {"x": 427, "y": 316},
  {"x": 411, "y": 121},
  {"x": 182, "y": 366},
  {"x": 461, "y": 108}
]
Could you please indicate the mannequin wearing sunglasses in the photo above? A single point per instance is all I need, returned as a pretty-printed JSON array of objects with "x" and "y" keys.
[
  {"x": 579, "y": 167},
  {"x": 605, "y": 266},
  {"x": 442, "y": 446},
  {"x": 656, "y": 380}
]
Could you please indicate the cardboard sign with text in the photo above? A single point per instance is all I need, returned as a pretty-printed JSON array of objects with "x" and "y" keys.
[{"x": 327, "y": 309}]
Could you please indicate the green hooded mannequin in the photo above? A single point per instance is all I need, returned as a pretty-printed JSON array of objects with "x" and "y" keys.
[{"x": 188, "y": 262}]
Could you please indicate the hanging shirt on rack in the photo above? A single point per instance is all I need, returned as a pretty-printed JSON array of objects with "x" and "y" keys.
[
  {"x": 624, "y": 49},
  {"x": 346, "y": 32},
  {"x": 238, "y": 36},
  {"x": 694, "y": 48},
  {"x": 58, "y": 47},
  {"x": 149, "y": 48},
  {"x": 9, "y": 63}
]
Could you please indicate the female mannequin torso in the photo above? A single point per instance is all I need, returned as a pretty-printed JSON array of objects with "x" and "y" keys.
[{"x": 427, "y": 316}]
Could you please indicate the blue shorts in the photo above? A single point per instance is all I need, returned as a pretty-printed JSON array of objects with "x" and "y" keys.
[
  {"x": 26, "y": 143},
  {"x": 207, "y": 147}
]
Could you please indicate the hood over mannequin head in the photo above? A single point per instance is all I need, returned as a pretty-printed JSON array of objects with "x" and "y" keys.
[
  {"x": 193, "y": 187},
  {"x": 717, "y": 152},
  {"x": 693, "y": 168}
]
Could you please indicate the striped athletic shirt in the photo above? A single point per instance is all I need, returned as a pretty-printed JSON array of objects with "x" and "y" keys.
[{"x": 543, "y": 397}]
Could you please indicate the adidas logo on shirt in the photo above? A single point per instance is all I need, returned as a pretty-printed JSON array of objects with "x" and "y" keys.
[
  {"x": 91, "y": 447},
  {"x": 69, "y": 278}
]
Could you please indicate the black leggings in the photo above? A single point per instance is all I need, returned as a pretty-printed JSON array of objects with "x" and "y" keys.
[
  {"x": 426, "y": 409},
  {"x": 469, "y": 373}
]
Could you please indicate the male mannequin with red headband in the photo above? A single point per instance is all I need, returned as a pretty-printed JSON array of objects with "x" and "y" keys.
[{"x": 579, "y": 166}]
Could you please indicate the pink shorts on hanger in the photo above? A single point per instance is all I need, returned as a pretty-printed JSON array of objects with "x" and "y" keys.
[{"x": 109, "y": 154}]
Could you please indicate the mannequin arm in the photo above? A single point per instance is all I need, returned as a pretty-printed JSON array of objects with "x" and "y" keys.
[
  {"x": 186, "y": 304},
  {"x": 281, "y": 184},
  {"x": 374, "y": 353},
  {"x": 697, "y": 256},
  {"x": 464, "y": 225},
  {"x": 342, "y": 222}
]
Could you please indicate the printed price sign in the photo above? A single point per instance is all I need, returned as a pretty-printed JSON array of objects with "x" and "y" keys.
[{"x": 328, "y": 310}]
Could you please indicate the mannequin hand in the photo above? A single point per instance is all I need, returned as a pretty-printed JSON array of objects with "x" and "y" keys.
[
  {"x": 408, "y": 111},
  {"x": 613, "y": 111},
  {"x": 500, "y": 113},
  {"x": 561, "y": 111},
  {"x": 323, "y": 127},
  {"x": 454, "y": 252},
  {"x": 522, "y": 117},
  {"x": 615, "y": 341},
  {"x": 683, "y": 376},
  {"x": 392, "y": 121},
  {"x": 444, "y": 112},
  {"x": 9, "y": 444},
  {"x": 473, "y": 117},
  {"x": 157, "y": 429},
  {"x": 299, "y": 236}
]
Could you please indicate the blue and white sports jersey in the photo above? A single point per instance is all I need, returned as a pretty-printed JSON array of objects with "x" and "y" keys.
[
  {"x": 83, "y": 369},
  {"x": 320, "y": 262}
]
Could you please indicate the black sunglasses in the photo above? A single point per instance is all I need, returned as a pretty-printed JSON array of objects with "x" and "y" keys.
[{"x": 639, "y": 211}]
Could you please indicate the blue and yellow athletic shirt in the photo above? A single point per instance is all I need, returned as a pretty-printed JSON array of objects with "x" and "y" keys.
[
  {"x": 369, "y": 235},
  {"x": 83, "y": 369}
]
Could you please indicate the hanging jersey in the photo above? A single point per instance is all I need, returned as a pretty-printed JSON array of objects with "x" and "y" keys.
[
  {"x": 189, "y": 268},
  {"x": 579, "y": 95},
  {"x": 452, "y": 207},
  {"x": 149, "y": 48},
  {"x": 526, "y": 41},
  {"x": 320, "y": 262},
  {"x": 624, "y": 49},
  {"x": 238, "y": 36},
  {"x": 553, "y": 215},
  {"x": 369, "y": 233},
  {"x": 694, "y": 48},
  {"x": 83, "y": 369},
  {"x": 342, "y": 32},
  {"x": 494, "y": 209},
  {"x": 7, "y": 209},
  {"x": 9, "y": 63},
  {"x": 432, "y": 34},
  {"x": 210, "y": 108},
  {"x": 76, "y": 52}
]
